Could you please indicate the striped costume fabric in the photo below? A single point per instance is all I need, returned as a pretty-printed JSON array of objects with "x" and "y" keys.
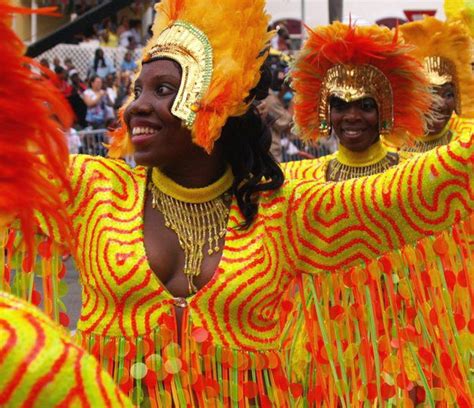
[
  {"x": 42, "y": 367},
  {"x": 461, "y": 125},
  {"x": 387, "y": 260}
]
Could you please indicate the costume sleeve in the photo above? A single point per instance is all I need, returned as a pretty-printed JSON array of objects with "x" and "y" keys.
[
  {"x": 385, "y": 268},
  {"x": 42, "y": 367}
]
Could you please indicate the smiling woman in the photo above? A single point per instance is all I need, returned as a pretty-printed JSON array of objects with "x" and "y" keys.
[
  {"x": 368, "y": 86},
  {"x": 444, "y": 49}
]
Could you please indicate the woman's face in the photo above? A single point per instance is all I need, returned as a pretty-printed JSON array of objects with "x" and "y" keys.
[
  {"x": 443, "y": 109},
  {"x": 157, "y": 135},
  {"x": 96, "y": 84},
  {"x": 356, "y": 124}
]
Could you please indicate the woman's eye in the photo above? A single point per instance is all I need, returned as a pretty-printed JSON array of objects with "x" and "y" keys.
[
  {"x": 449, "y": 95},
  {"x": 163, "y": 90},
  {"x": 136, "y": 92},
  {"x": 368, "y": 105}
]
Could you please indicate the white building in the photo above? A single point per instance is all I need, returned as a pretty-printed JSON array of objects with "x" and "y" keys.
[{"x": 368, "y": 12}]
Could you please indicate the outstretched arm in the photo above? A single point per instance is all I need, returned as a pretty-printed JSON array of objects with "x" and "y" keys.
[{"x": 386, "y": 266}]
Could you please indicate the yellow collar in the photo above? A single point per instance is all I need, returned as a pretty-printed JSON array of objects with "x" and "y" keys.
[
  {"x": 192, "y": 195},
  {"x": 437, "y": 136},
  {"x": 372, "y": 155}
]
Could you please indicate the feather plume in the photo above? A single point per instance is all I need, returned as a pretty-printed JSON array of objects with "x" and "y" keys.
[
  {"x": 237, "y": 31},
  {"x": 342, "y": 44},
  {"x": 432, "y": 37},
  {"x": 33, "y": 149}
]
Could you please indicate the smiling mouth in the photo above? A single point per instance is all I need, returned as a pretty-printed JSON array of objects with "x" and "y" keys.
[
  {"x": 143, "y": 131},
  {"x": 353, "y": 133},
  {"x": 143, "y": 135}
]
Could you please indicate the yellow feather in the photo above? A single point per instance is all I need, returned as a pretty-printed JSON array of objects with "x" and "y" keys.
[{"x": 450, "y": 40}]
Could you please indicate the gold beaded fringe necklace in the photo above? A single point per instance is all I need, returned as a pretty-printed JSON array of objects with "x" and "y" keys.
[
  {"x": 196, "y": 215},
  {"x": 349, "y": 165}
]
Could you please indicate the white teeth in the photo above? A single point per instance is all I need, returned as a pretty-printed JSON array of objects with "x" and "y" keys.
[
  {"x": 142, "y": 131},
  {"x": 353, "y": 132}
]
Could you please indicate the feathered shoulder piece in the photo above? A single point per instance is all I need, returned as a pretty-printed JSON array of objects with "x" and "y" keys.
[
  {"x": 354, "y": 62},
  {"x": 445, "y": 50},
  {"x": 220, "y": 48},
  {"x": 33, "y": 149}
]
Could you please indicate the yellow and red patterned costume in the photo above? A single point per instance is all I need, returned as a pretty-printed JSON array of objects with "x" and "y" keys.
[
  {"x": 386, "y": 258},
  {"x": 412, "y": 305},
  {"x": 40, "y": 365}
]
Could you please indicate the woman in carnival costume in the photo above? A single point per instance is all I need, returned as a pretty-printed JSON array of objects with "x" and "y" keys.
[
  {"x": 359, "y": 83},
  {"x": 187, "y": 262},
  {"x": 445, "y": 49},
  {"x": 40, "y": 366}
]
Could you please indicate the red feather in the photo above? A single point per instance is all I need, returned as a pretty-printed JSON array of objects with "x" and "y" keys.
[{"x": 33, "y": 148}]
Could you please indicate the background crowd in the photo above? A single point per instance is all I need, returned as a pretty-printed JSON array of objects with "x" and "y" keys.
[{"x": 96, "y": 95}]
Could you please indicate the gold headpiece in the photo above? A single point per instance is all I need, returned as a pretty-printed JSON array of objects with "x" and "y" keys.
[
  {"x": 353, "y": 82},
  {"x": 351, "y": 63},
  {"x": 445, "y": 50},
  {"x": 191, "y": 49},
  {"x": 220, "y": 50}
]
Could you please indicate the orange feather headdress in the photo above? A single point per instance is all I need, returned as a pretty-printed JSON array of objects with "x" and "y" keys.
[
  {"x": 445, "y": 50},
  {"x": 33, "y": 149},
  {"x": 355, "y": 62},
  {"x": 220, "y": 48}
]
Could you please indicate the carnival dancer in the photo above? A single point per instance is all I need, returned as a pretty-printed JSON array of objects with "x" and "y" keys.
[
  {"x": 445, "y": 49},
  {"x": 187, "y": 260},
  {"x": 366, "y": 87}
]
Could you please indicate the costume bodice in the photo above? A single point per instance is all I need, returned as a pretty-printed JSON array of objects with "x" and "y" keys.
[{"x": 123, "y": 297}]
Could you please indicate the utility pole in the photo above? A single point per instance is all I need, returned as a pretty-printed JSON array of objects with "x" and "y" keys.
[
  {"x": 335, "y": 10},
  {"x": 303, "y": 18}
]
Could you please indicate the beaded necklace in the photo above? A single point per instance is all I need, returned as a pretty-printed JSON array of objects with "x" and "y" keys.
[
  {"x": 349, "y": 165},
  {"x": 431, "y": 142},
  {"x": 197, "y": 216}
]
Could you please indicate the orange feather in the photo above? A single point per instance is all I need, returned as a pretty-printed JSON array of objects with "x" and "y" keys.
[{"x": 33, "y": 149}]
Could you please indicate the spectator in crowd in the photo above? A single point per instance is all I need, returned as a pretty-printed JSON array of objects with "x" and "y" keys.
[
  {"x": 95, "y": 100},
  {"x": 108, "y": 36},
  {"x": 63, "y": 84},
  {"x": 123, "y": 26},
  {"x": 111, "y": 92},
  {"x": 73, "y": 141},
  {"x": 128, "y": 64},
  {"x": 101, "y": 66},
  {"x": 90, "y": 38},
  {"x": 132, "y": 36},
  {"x": 44, "y": 62},
  {"x": 56, "y": 63},
  {"x": 124, "y": 88},
  {"x": 76, "y": 98},
  {"x": 68, "y": 64}
]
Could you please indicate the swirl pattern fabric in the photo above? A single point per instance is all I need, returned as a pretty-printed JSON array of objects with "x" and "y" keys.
[
  {"x": 460, "y": 126},
  {"x": 234, "y": 347},
  {"x": 41, "y": 367}
]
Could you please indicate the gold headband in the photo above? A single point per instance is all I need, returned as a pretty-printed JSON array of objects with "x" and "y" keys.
[
  {"x": 441, "y": 71},
  {"x": 190, "y": 48},
  {"x": 353, "y": 82}
]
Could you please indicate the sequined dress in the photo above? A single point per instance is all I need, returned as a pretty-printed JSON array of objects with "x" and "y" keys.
[{"x": 387, "y": 260}]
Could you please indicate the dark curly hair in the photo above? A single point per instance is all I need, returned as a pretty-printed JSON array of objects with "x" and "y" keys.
[{"x": 246, "y": 142}]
